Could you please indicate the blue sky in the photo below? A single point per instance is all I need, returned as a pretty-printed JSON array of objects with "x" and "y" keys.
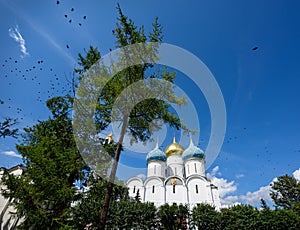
[{"x": 260, "y": 88}]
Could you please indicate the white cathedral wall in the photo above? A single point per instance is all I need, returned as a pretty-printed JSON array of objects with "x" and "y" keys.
[
  {"x": 194, "y": 167},
  {"x": 135, "y": 185},
  {"x": 156, "y": 168},
  {"x": 154, "y": 191},
  {"x": 216, "y": 197},
  {"x": 176, "y": 194},
  {"x": 175, "y": 166},
  {"x": 199, "y": 191}
]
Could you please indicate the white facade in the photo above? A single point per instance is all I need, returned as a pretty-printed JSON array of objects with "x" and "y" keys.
[
  {"x": 7, "y": 220},
  {"x": 175, "y": 176}
]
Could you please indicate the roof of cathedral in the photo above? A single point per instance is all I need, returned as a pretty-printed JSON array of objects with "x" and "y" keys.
[
  {"x": 192, "y": 152},
  {"x": 156, "y": 155},
  {"x": 174, "y": 149}
]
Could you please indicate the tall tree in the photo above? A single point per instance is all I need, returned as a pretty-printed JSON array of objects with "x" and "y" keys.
[
  {"x": 44, "y": 194},
  {"x": 286, "y": 192},
  {"x": 144, "y": 112}
]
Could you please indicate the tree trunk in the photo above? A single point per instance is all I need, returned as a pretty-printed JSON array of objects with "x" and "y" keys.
[{"x": 112, "y": 176}]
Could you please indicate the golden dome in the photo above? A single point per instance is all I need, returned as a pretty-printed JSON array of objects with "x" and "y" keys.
[
  {"x": 174, "y": 149},
  {"x": 109, "y": 139}
]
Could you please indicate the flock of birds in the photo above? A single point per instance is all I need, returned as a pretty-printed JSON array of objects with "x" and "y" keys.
[
  {"x": 47, "y": 82},
  {"x": 70, "y": 20}
]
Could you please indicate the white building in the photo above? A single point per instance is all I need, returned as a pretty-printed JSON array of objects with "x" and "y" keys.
[
  {"x": 176, "y": 176},
  {"x": 8, "y": 221}
]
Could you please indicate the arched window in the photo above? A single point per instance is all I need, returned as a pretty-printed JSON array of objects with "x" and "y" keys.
[{"x": 197, "y": 188}]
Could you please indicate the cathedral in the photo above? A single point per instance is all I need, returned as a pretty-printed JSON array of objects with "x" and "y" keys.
[{"x": 176, "y": 176}]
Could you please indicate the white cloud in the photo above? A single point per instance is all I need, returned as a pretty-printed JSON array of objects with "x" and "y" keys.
[
  {"x": 11, "y": 153},
  {"x": 214, "y": 172},
  {"x": 238, "y": 176},
  {"x": 16, "y": 35},
  {"x": 225, "y": 187},
  {"x": 229, "y": 200},
  {"x": 263, "y": 192},
  {"x": 296, "y": 174},
  {"x": 254, "y": 198}
]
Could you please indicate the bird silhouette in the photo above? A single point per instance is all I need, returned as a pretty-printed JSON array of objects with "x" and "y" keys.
[
  {"x": 79, "y": 24},
  {"x": 67, "y": 46},
  {"x": 70, "y": 20},
  {"x": 84, "y": 17},
  {"x": 57, "y": 2},
  {"x": 66, "y": 16},
  {"x": 72, "y": 9},
  {"x": 255, "y": 48}
]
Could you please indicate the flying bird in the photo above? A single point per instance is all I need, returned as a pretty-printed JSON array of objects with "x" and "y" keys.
[
  {"x": 57, "y": 2},
  {"x": 68, "y": 46},
  {"x": 255, "y": 48},
  {"x": 72, "y": 9},
  {"x": 84, "y": 17},
  {"x": 66, "y": 16},
  {"x": 79, "y": 24},
  {"x": 70, "y": 20}
]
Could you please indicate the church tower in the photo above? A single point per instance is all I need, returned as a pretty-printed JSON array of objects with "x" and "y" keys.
[{"x": 176, "y": 176}]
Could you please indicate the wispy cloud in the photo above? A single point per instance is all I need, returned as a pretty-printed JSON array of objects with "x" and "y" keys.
[
  {"x": 11, "y": 153},
  {"x": 40, "y": 30},
  {"x": 16, "y": 35},
  {"x": 238, "y": 176}
]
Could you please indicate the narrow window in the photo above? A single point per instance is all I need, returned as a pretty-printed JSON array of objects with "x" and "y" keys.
[
  {"x": 188, "y": 166},
  {"x": 153, "y": 189},
  {"x": 154, "y": 169},
  {"x": 138, "y": 191},
  {"x": 196, "y": 188},
  {"x": 175, "y": 171},
  {"x": 173, "y": 188},
  {"x": 195, "y": 168},
  {"x": 134, "y": 189}
]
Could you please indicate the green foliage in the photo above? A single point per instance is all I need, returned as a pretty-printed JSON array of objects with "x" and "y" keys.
[
  {"x": 43, "y": 195},
  {"x": 244, "y": 217},
  {"x": 239, "y": 217},
  {"x": 5, "y": 126},
  {"x": 123, "y": 213},
  {"x": 92, "y": 56},
  {"x": 173, "y": 217},
  {"x": 205, "y": 216},
  {"x": 286, "y": 193}
]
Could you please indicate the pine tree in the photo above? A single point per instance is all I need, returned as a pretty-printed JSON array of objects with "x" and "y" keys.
[{"x": 135, "y": 121}]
